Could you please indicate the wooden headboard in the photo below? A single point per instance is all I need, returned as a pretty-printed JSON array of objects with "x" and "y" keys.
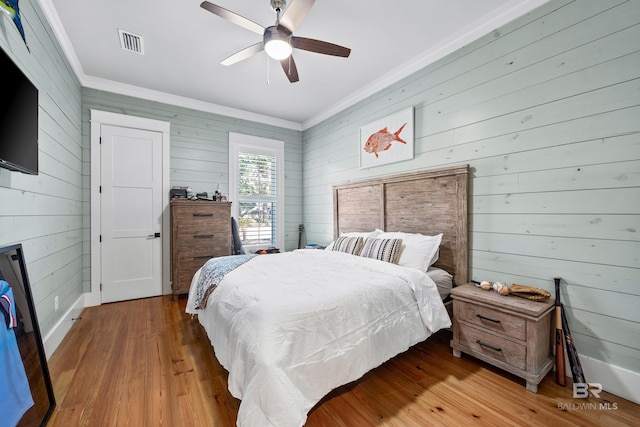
[{"x": 427, "y": 202}]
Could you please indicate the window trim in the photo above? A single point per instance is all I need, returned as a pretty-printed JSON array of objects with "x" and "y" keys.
[{"x": 240, "y": 142}]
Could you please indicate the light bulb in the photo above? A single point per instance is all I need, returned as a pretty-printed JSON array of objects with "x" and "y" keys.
[{"x": 278, "y": 49}]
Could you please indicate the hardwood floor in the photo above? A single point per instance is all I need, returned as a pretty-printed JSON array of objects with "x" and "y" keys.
[{"x": 147, "y": 363}]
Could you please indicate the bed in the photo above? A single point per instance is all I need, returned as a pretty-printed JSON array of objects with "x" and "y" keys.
[{"x": 293, "y": 326}]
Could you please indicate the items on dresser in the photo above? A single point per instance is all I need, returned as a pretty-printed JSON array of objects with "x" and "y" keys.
[
  {"x": 510, "y": 333},
  {"x": 200, "y": 230},
  {"x": 178, "y": 192}
]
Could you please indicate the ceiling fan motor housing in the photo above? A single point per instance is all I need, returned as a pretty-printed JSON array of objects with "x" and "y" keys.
[{"x": 277, "y": 41}]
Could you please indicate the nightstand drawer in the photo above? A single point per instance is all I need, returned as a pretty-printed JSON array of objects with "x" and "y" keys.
[
  {"x": 491, "y": 319},
  {"x": 509, "y": 332},
  {"x": 494, "y": 346}
]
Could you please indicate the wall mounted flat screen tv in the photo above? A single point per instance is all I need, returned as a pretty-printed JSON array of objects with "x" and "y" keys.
[{"x": 18, "y": 119}]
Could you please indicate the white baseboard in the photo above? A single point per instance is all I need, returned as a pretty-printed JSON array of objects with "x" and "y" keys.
[
  {"x": 614, "y": 379},
  {"x": 59, "y": 331},
  {"x": 92, "y": 299}
]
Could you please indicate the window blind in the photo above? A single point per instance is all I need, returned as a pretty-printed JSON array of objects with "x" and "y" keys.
[{"x": 257, "y": 184}]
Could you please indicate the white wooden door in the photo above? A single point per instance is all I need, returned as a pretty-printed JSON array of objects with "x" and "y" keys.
[{"x": 131, "y": 196}]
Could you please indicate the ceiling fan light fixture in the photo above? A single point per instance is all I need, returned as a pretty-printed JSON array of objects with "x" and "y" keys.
[
  {"x": 276, "y": 44},
  {"x": 278, "y": 49}
]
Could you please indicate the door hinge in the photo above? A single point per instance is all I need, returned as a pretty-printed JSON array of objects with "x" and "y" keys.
[
  {"x": 100, "y": 140},
  {"x": 100, "y": 189},
  {"x": 100, "y": 287},
  {"x": 101, "y": 238}
]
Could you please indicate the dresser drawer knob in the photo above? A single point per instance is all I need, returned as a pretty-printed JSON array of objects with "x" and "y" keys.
[{"x": 488, "y": 346}]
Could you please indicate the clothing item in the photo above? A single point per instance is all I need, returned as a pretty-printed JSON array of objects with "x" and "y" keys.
[{"x": 14, "y": 386}]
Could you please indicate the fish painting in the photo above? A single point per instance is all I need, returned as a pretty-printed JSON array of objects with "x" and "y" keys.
[
  {"x": 381, "y": 140},
  {"x": 10, "y": 7}
]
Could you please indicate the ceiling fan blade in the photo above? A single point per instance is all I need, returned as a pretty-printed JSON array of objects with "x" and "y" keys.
[
  {"x": 233, "y": 17},
  {"x": 290, "y": 69},
  {"x": 244, "y": 54},
  {"x": 319, "y": 46},
  {"x": 295, "y": 14}
]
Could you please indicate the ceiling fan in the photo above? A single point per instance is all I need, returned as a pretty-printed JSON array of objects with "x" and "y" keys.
[{"x": 278, "y": 40}]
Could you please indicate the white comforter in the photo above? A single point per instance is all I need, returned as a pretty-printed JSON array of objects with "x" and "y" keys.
[{"x": 291, "y": 327}]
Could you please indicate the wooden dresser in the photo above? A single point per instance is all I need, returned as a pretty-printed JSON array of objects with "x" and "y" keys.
[
  {"x": 509, "y": 332},
  {"x": 200, "y": 230}
]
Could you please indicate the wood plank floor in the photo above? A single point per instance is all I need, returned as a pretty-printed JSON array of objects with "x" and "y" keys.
[{"x": 147, "y": 363}]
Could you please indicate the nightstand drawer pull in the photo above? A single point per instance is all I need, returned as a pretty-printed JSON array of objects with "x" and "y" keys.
[
  {"x": 202, "y": 214},
  {"x": 488, "y": 346},
  {"x": 487, "y": 318},
  {"x": 203, "y": 236},
  {"x": 203, "y": 256}
]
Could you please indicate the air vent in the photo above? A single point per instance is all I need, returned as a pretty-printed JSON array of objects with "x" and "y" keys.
[{"x": 131, "y": 42}]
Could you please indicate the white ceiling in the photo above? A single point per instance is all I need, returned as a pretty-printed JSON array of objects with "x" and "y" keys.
[{"x": 184, "y": 44}]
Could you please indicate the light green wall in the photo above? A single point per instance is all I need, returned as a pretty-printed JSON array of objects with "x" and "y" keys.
[
  {"x": 44, "y": 212},
  {"x": 546, "y": 111},
  {"x": 199, "y": 152}
]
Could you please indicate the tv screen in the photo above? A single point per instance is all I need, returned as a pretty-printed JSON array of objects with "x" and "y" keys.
[{"x": 18, "y": 119}]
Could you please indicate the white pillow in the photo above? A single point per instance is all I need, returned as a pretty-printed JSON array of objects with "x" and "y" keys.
[
  {"x": 365, "y": 235},
  {"x": 442, "y": 279},
  {"x": 418, "y": 251}
]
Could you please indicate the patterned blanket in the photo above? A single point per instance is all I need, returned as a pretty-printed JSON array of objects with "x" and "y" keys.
[{"x": 212, "y": 274}]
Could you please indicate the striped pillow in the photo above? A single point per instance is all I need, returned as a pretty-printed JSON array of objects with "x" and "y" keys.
[
  {"x": 350, "y": 245},
  {"x": 382, "y": 249}
]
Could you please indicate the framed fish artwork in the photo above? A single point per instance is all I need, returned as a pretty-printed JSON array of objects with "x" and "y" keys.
[{"x": 387, "y": 140}]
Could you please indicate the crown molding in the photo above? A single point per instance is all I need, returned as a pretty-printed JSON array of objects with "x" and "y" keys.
[
  {"x": 474, "y": 31},
  {"x": 55, "y": 23},
  {"x": 92, "y": 82},
  {"x": 477, "y": 29},
  {"x": 181, "y": 101}
]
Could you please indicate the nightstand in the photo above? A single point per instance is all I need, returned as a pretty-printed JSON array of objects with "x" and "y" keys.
[{"x": 509, "y": 332}]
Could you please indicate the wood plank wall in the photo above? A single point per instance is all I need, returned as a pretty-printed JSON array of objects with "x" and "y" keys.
[
  {"x": 44, "y": 212},
  {"x": 546, "y": 111},
  {"x": 199, "y": 152}
]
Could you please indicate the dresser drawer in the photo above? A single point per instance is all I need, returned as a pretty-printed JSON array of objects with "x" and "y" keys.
[
  {"x": 184, "y": 277},
  {"x": 491, "y": 319},
  {"x": 200, "y": 236},
  {"x": 202, "y": 216},
  {"x": 494, "y": 346},
  {"x": 193, "y": 260}
]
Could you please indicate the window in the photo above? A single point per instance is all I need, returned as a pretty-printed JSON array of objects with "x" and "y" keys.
[{"x": 256, "y": 183}]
